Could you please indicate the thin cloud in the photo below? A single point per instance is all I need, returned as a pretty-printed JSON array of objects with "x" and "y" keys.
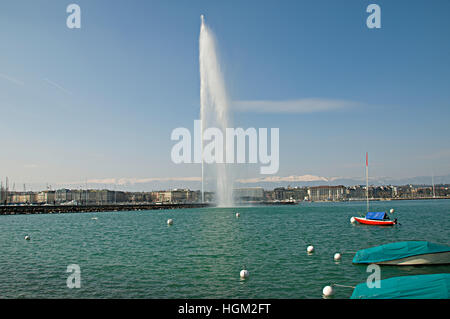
[
  {"x": 309, "y": 178},
  {"x": 12, "y": 80},
  {"x": 277, "y": 179},
  {"x": 132, "y": 181},
  {"x": 309, "y": 105},
  {"x": 443, "y": 153},
  {"x": 56, "y": 85}
]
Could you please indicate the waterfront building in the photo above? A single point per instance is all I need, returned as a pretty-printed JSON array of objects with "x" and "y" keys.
[
  {"x": 249, "y": 194},
  {"x": 63, "y": 195},
  {"x": 381, "y": 192},
  {"x": 22, "y": 198},
  {"x": 120, "y": 197},
  {"x": 269, "y": 195},
  {"x": 46, "y": 197},
  {"x": 180, "y": 196},
  {"x": 290, "y": 193},
  {"x": 326, "y": 193},
  {"x": 357, "y": 192},
  {"x": 3, "y": 194},
  {"x": 176, "y": 196},
  {"x": 162, "y": 196}
]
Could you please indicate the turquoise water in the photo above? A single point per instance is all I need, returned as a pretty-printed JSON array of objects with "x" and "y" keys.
[{"x": 136, "y": 255}]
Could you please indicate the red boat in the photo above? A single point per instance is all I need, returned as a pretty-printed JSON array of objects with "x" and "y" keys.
[
  {"x": 366, "y": 221},
  {"x": 373, "y": 218}
]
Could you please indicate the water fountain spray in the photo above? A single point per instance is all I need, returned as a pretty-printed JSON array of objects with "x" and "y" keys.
[{"x": 214, "y": 110}]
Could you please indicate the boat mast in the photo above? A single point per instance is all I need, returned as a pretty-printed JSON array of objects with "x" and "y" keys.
[
  {"x": 367, "y": 181},
  {"x": 432, "y": 182}
]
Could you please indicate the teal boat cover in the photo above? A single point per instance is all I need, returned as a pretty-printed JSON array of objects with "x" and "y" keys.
[
  {"x": 375, "y": 215},
  {"x": 397, "y": 250},
  {"x": 435, "y": 286}
]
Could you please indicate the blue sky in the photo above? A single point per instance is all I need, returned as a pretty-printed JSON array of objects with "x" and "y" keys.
[{"x": 99, "y": 103}]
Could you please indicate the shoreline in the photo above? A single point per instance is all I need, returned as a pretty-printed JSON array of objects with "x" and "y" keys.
[
  {"x": 69, "y": 209},
  {"x": 378, "y": 199}
]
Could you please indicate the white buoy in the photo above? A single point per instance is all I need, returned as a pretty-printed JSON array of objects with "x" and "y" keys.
[
  {"x": 337, "y": 256},
  {"x": 238, "y": 215},
  {"x": 310, "y": 249},
  {"x": 352, "y": 220},
  {"x": 244, "y": 274},
  {"x": 27, "y": 237},
  {"x": 170, "y": 221},
  {"x": 327, "y": 291},
  {"x": 392, "y": 211}
]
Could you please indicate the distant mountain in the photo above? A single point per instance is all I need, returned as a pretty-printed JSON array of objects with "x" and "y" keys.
[
  {"x": 317, "y": 181},
  {"x": 267, "y": 182}
]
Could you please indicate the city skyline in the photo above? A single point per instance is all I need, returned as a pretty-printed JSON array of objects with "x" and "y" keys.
[
  {"x": 76, "y": 197},
  {"x": 195, "y": 183},
  {"x": 97, "y": 105}
]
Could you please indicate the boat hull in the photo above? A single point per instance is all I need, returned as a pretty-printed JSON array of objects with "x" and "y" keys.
[
  {"x": 374, "y": 222},
  {"x": 425, "y": 259}
]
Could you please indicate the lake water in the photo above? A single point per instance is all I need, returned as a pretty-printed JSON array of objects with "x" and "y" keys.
[{"x": 137, "y": 255}]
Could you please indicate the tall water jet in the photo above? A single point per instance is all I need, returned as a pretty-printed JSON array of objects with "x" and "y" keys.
[{"x": 214, "y": 110}]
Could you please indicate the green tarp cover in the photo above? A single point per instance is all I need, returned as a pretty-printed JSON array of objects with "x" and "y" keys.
[
  {"x": 397, "y": 250},
  {"x": 407, "y": 287}
]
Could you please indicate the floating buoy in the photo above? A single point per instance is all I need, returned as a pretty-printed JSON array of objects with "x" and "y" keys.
[
  {"x": 352, "y": 220},
  {"x": 170, "y": 221},
  {"x": 244, "y": 274},
  {"x": 238, "y": 215},
  {"x": 27, "y": 237},
  {"x": 392, "y": 211},
  {"x": 310, "y": 249},
  {"x": 327, "y": 291},
  {"x": 337, "y": 256}
]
